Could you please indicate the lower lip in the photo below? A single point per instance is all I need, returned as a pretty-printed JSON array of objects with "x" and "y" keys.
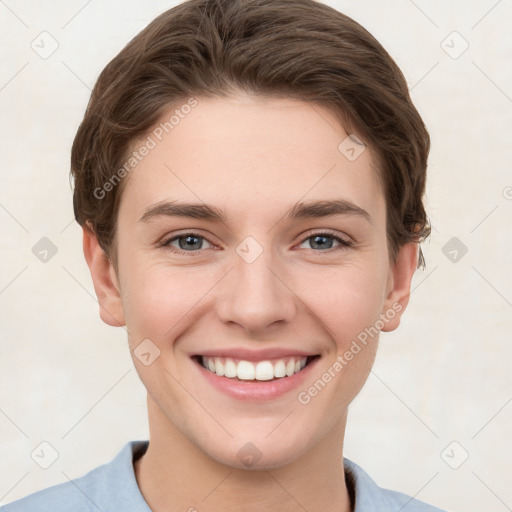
[{"x": 256, "y": 390}]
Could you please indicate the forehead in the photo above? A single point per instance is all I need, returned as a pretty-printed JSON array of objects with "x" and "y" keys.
[{"x": 251, "y": 154}]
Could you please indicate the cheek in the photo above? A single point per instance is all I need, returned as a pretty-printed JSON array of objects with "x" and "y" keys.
[
  {"x": 158, "y": 299},
  {"x": 347, "y": 301}
]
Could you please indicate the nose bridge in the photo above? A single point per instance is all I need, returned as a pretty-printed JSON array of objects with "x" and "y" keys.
[{"x": 255, "y": 297}]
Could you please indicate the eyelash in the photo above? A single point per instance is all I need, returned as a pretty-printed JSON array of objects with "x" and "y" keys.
[{"x": 344, "y": 244}]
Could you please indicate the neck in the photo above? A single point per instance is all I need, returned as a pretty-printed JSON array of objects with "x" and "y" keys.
[{"x": 175, "y": 475}]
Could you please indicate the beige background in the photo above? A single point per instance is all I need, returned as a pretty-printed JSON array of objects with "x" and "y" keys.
[{"x": 443, "y": 376}]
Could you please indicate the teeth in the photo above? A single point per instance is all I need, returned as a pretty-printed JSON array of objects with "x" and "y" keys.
[
  {"x": 230, "y": 369},
  {"x": 264, "y": 371},
  {"x": 219, "y": 368},
  {"x": 246, "y": 370},
  {"x": 280, "y": 369}
]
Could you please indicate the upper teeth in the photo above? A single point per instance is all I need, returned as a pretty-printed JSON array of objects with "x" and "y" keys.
[{"x": 246, "y": 370}]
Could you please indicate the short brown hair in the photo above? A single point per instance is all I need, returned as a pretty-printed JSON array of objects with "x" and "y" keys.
[{"x": 298, "y": 49}]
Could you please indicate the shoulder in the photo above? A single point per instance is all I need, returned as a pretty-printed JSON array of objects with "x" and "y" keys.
[
  {"x": 113, "y": 482},
  {"x": 66, "y": 496},
  {"x": 369, "y": 497}
]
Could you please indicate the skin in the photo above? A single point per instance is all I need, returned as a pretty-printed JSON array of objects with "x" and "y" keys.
[{"x": 254, "y": 158}]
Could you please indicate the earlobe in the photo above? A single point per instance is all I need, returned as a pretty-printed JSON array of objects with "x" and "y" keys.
[
  {"x": 103, "y": 277},
  {"x": 401, "y": 273}
]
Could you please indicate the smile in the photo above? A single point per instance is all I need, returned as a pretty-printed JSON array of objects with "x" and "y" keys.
[{"x": 261, "y": 370}]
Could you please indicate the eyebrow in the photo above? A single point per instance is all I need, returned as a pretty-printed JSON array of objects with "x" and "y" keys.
[{"x": 311, "y": 210}]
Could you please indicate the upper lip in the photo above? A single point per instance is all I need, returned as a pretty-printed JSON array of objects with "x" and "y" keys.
[{"x": 254, "y": 355}]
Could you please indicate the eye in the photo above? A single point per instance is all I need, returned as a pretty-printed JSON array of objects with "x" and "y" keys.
[
  {"x": 321, "y": 241},
  {"x": 187, "y": 243}
]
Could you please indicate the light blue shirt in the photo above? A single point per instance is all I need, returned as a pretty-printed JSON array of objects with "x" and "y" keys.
[{"x": 113, "y": 487}]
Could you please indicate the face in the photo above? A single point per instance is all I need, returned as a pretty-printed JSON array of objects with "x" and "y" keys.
[{"x": 260, "y": 275}]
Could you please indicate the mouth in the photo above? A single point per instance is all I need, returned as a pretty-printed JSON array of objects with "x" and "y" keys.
[{"x": 241, "y": 370}]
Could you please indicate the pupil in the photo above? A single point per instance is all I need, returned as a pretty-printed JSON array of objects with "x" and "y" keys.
[
  {"x": 187, "y": 243},
  {"x": 321, "y": 237}
]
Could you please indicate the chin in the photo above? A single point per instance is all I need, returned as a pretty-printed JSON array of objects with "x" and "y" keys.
[{"x": 260, "y": 454}]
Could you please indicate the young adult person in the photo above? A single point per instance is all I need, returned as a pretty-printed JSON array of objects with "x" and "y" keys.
[{"x": 249, "y": 178}]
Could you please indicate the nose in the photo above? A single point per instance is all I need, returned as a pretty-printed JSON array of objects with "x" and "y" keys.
[{"x": 255, "y": 295}]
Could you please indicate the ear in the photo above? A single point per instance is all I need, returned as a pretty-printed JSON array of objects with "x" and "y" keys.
[
  {"x": 104, "y": 279},
  {"x": 399, "y": 285}
]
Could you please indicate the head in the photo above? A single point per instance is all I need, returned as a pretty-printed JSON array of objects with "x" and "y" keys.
[{"x": 262, "y": 114}]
